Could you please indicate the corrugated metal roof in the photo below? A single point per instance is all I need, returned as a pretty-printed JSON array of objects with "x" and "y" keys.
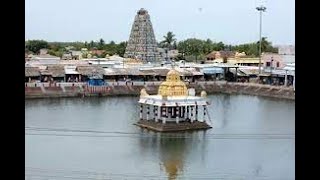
[
  {"x": 89, "y": 70},
  {"x": 115, "y": 71},
  {"x": 70, "y": 70},
  {"x": 32, "y": 72},
  {"x": 250, "y": 71},
  {"x": 46, "y": 72},
  {"x": 239, "y": 73},
  {"x": 212, "y": 70},
  {"x": 57, "y": 71}
]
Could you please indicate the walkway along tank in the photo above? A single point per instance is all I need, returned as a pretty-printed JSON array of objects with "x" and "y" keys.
[{"x": 174, "y": 108}]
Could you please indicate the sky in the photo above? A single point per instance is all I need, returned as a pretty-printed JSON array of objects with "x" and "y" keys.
[{"x": 229, "y": 21}]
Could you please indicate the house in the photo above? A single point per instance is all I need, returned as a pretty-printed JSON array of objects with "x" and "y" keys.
[
  {"x": 32, "y": 74},
  {"x": 212, "y": 55},
  {"x": 97, "y": 52},
  {"x": 89, "y": 71},
  {"x": 227, "y": 54},
  {"x": 57, "y": 72},
  {"x": 71, "y": 74},
  {"x": 67, "y": 56},
  {"x": 240, "y": 55},
  {"x": 286, "y": 50},
  {"x": 76, "y": 55},
  {"x": 273, "y": 60},
  {"x": 220, "y": 54}
]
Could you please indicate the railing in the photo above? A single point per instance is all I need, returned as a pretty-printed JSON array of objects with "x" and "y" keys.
[
  {"x": 150, "y": 83},
  {"x": 45, "y": 84}
]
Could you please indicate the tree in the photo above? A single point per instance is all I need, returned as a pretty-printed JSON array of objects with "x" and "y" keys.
[
  {"x": 58, "y": 53},
  {"x": 101, "y": 44},
  {"x": 207, "y": 46},
  {"x": 121, "y": 48},
  {"x": 174, "y": 46},
  {"x": 192, "y": 47},
  {"x": 111, "y": 48},
  {"x": 264, "y": 44},
  {"x": 36, "y": 45},
  {"x": 91, "y": 45},
  {"x": 219, "y": 46},
  {"x": 168, "y": 40}
]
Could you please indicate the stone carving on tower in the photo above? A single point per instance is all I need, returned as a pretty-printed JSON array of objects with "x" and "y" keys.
[{"x": 142, "y": 43}]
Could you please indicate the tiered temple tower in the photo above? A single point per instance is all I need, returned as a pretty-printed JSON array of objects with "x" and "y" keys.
[{"x": 142, "y": 43}]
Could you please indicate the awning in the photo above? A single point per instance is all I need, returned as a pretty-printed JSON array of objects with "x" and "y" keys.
[
  {"x": 289, "y": 68},
  {"x": 70, "y": 71},
  {"x": 239, "y": 73},
  {"x": 212, "y": 70}
]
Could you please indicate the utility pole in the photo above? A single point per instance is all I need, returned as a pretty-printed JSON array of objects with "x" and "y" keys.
[{"x": 260, "y": 9}]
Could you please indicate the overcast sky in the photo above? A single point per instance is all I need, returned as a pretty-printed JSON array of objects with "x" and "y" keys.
[{"x": 229, "y": 21}]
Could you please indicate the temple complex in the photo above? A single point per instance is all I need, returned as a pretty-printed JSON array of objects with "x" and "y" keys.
[
  {"x": 174, "y": 108},
  {"x": 142, "y": 43}
]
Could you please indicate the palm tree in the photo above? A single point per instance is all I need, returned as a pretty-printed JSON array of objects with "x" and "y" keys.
[
  {"x": 168, "y": 40},
  {"x": 264, "y": 44},
  {"x": 101, "y": 44}
]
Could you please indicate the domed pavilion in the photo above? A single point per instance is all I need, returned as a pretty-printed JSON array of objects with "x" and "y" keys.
[{"x": 174, "y": 108}]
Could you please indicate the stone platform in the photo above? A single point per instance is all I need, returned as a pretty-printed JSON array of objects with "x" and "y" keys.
[{"x": 172, "y": 126}]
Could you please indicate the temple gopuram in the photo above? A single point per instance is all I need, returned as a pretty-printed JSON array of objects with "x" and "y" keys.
[
  {"x": 142, "y": 43},
  {"x": 174, "y": 108}
]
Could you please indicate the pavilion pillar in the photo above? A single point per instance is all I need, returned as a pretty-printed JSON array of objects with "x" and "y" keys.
[
  {"x": 187, "y": 112},
  {"x": 177, "y": 114},
  {"x": 236, "y": 75},
  {"x": 191, "y": 115},
  {"x": 196, "y": 116},
  {"x": 294, "y": 84},
  {"x": 286, "y": 79},
  {"x": 159, "y": 113},
  {"x": 181, "y": 113},
  {"x": 204, "y": 113},
  {"x": 148, "y": 111},
  {"x": 165, "y": 112},
  {"x": 154, "y": 113},
  {"x": 141, "y": 111}
]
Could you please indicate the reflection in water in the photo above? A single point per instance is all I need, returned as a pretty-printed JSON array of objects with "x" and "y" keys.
[
  {"x": 226, "y": 106},
  {"x": 172, "y": 149},
  {"x": 172, "y": 154}
]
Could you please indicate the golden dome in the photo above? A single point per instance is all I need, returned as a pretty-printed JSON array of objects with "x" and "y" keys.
[{"x": 173, "y": 86}]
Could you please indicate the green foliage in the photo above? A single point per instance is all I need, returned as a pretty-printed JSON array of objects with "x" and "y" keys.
[
  {"x": 58, "y": 53},
  {"x": 101, "y": 44},
  {"x": 190, "y": 49},
  {"x": 121, "y": 48},
  {"x": 168, "y": 40},
  {"x": 36, "y": 45},
  {"x": 92, "y": 44},
  {"x": 252, "y": 49},
  {"x": 193, "y": 47}
]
